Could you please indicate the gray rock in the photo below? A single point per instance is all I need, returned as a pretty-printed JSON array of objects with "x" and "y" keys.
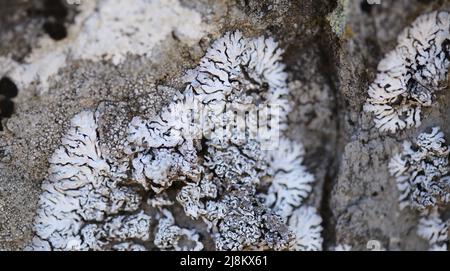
[{"x": 332, "y": 49}]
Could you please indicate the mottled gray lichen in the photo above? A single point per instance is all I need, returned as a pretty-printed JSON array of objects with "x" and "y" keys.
[
  {"x": 410, "y": 74},
  {"x": 421, "y": 171},
  {"x": 90, "y": 199},
  {"x": 236, "y": 76},
  {"x": 331, "y": 54},
  {"x": 338, "y": 18},
  {"x": 434, "y": 230}
]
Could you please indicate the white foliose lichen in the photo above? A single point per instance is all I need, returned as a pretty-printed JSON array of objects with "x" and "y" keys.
[
  {"x": 410, "y": 74},
  {"x": 422, "y": 171},
  {"x": 128, "y": 227},
  {"x": 83, "y": 191},
  {"x": 435, "y": 231},
  {"x": 116, "y": 229},
  {"x": 191, "y": 197},
  {"x": 221, "y": 138},
  {"x": 234, "y": 170},
  {"x": 157, "y": 169},
  {"x": 305, "y": 222},
  {"x": 159, "y": 201},
  {"x": 291, "y": 183},
  {"x": 168, "y": 236},
  {"x": 239, "y": 222}
]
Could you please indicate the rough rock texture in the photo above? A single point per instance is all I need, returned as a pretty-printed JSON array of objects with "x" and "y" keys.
[
  {"x": 364, "y": 196},
  {"x": 332, "y": 49}
]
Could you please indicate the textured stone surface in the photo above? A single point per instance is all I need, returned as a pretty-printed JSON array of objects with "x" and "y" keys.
[
  {"x": 364, "y": 196},
  {"x": 332, "y": 49}
]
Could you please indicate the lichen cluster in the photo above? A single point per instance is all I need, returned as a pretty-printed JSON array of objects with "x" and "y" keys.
[
  {"x": 422, "y": 171},
  {"x": 217, "y": 151},
  {"x": 83, "y": 198},
  {"x": 422, "y": 175},
  {"x": 435, "y": 231},
  {"x": 407, "y": 80},
  {"x": 410, "y": 74}
]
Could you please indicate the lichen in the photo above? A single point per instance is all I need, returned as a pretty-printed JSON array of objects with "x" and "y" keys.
[
  {"x": 422, "y": 171},
  {"x": 305, "y": 222},
  {"x": 109, "y": 30},
  {"x": 215, "y": 127},
  {"x": 83, "y": 188},
  {"x": 291, "y": 182},
  {"x": 220, "y": 141},
  {"x": 159, "y": 168},
  {"x": 410, "y": 74},
  {"x": 168, "y": 236},
  {"x": 434, "y": 230},
  {"x": 338, "y": 18}
]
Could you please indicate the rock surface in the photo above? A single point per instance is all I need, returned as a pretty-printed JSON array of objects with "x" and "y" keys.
[{"x": 332, "y": 49}]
